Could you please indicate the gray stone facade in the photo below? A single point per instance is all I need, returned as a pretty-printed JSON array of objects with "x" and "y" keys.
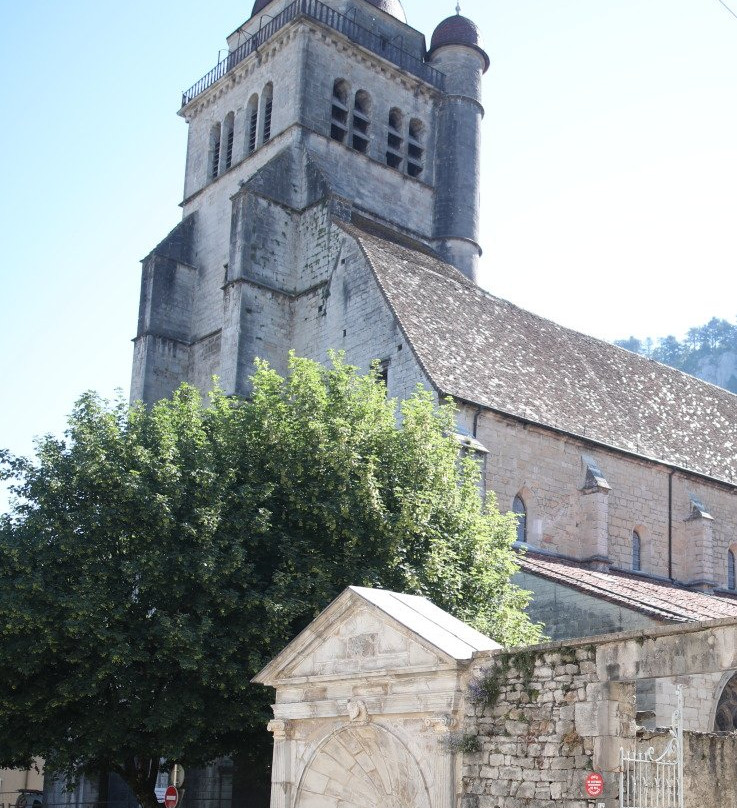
[{"x": 262, "y": 251}]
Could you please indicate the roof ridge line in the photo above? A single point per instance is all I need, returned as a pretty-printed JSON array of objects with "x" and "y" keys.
[
  {"x": 398, "y": 596},
  {"x": 347, "y": 227},
  {"x": 609, "y": 595}
]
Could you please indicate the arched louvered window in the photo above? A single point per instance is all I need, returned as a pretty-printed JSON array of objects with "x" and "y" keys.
[
  {"x": 228, "y": 134},
  {"x": 339, "y": 111},
  {"x": 394, "y": 140},
  {"x": 520, "y": 509},
  {"x": 731, "y": 579},
  {"x": 215, "y": 143},
  {"x": 416, "y": 148},
  {"x": 267, "y": 99},
  {"x": 361, "y": 121},
  {"x": 252, "y": 124},
  {"x": 636, "y": 551}
]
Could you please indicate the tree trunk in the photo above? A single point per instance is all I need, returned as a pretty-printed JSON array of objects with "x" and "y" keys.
[{"x": 141, "y": 775}]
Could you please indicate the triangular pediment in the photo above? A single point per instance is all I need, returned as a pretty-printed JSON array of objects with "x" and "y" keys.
[
  {"x": 356, "y": 637},
  {"x": 363, "y": 642}
]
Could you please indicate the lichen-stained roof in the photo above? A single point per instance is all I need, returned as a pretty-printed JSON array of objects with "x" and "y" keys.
[
  {"x": 658, "y": 599},
  {"x": 482, "y": 349}
]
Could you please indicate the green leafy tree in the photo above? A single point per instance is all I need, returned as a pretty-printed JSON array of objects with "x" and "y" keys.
[
  {"x": 669, "y": 351},
  {"x": 156, "y": 559}
]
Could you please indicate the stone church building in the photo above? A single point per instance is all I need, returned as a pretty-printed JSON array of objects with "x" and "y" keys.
[{"x": 331, "y": 200}]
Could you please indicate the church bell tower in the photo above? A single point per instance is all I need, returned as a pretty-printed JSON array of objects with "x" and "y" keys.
[{"x": 322, "y": 111}]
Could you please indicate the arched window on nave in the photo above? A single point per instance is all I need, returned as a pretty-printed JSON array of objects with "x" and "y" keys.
[
  {"x": 520, "y": 509},
  {"x": 636, "y": 551}
]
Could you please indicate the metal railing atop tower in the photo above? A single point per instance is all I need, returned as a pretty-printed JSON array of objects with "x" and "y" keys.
[{"x": 318, "y": 11}]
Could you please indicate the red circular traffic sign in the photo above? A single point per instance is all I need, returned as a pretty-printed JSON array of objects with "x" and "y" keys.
[
  {"x": 594, "y": 785},
  {"x": 171, "y": 797}
]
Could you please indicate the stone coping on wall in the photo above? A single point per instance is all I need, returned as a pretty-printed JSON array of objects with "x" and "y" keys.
[{"x": 613, "y": 639}]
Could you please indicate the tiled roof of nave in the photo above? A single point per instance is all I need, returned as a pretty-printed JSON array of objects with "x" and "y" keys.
[
  {"x": 482, "y": 349},
  {"x": 658, "y": 599}
]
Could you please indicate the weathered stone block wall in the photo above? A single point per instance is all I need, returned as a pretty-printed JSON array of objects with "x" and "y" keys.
[
  {"x": 543, "y": 718},
  {"x": 539, "y": 724},
  {"x": 159, "y": 367},
  {"x": 710, "y": 775},
  {"x": 329, "y": 57},
  {"x": 278, "y": 64},
  {"x": 351, "y": 314}
]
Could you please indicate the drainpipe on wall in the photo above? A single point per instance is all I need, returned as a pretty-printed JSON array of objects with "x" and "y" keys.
[
  {"x": 476, "y": 417},
  {"x": 670, "y": 524}
]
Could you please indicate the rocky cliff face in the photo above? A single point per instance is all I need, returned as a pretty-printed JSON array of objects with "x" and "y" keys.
[
  {"x": 708, "y": 352},
  {"x": 719, "y": 368}
]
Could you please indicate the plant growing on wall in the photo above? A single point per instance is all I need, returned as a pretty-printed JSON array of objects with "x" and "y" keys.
[{"x": 157, "y": 558}]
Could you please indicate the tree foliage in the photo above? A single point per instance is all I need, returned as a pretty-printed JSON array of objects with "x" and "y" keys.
[{"x": 156, "y": 559}]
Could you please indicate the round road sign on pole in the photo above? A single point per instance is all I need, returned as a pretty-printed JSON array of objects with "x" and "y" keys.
[
  {"x": 171, "y": 797},
  {"x": 594, "y": 785}
]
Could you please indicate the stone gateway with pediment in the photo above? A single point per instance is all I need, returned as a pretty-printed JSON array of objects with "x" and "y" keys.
[
  {"x": 377, "y": 706},
  {"x": 368, "y": 699}
]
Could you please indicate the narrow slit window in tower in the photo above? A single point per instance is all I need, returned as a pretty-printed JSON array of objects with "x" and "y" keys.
[
  {"x": 415, "y": 148},
  {"x": 339, "y": 112},
  {"x": 731, "y": 576},
  {"x": 383, "y": 374},
  {"x": 361, "y": 120},
  {"x": 394, "y": 140}
]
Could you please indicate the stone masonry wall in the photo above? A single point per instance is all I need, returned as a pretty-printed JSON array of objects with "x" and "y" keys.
[
  {"x": 709, "y": 772},
  {"x": 569, "y": 613},
  {"x": 539, "y": 720},
  {"x": 531, "y": 715}
]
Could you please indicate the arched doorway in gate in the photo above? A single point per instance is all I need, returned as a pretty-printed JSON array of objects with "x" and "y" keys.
[
  {"x": 363, "y": 766},
  {"x": 725, "y": 719}
]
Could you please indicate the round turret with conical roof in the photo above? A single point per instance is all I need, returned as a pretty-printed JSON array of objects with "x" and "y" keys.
[
  {"x": 456, "y": 50},
  {"x": 459, "y": 31}
]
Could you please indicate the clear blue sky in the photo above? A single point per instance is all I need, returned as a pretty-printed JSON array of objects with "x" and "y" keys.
[{"x": 609, "y": 190}]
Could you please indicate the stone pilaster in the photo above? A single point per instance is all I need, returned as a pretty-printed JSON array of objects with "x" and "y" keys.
[
  {"x": 443, "y": 765},
  {"x": 281, "y": 770},
  {"x": 699, "y": 555},
  {"x": 595, "y": 510}
]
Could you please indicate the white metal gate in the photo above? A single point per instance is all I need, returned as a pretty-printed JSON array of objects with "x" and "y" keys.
[{"x": 649, "y": 782}]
